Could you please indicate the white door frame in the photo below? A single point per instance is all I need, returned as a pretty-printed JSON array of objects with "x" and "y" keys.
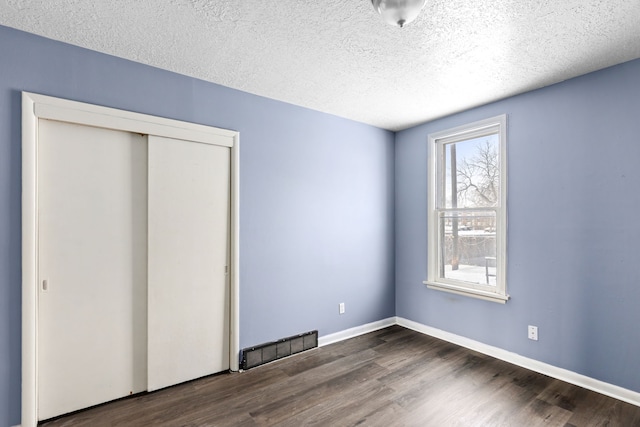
[{"x": 35, "y": 107}]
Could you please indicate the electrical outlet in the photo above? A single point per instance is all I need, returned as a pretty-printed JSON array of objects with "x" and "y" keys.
[
  {"x": 533, "y": 333},
  {"x": 341, "y": 308}
]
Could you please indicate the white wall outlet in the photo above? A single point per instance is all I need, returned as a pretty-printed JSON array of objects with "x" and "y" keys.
[
  {"x": 341, "y": 308},
  {"x": 533, "y": 333}
]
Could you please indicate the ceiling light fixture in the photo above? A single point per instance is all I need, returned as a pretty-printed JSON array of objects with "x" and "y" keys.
[{"x": 398, "y": 12}]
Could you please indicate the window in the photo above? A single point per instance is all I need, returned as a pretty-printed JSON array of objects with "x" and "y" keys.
[{"x": 467, "y": 210}]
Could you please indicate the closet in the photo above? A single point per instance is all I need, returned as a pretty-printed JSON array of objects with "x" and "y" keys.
[{"x": 129, "y": 255}]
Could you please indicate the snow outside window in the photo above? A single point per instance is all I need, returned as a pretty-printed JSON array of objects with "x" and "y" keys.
[{"x": 467, "y": 210}]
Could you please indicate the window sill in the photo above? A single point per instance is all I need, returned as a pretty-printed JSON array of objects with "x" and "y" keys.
[{"x": 473, "y": 293}]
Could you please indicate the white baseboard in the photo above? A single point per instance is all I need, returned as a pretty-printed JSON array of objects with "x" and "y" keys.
[
  {"x": 354, "y": 332},
  {"x": 571, "y": 377}
]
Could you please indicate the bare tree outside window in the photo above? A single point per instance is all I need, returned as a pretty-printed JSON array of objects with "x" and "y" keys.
[
  {"x": 478, "y": 176},
  {"x": 467, "y": 210},
  {"x": 472, "y": 182}
]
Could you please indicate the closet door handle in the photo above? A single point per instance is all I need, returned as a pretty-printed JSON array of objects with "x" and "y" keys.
[{"x": 45, "y": 285}]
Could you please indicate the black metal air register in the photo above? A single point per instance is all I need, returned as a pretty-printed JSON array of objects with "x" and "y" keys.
[{"x": 268, "y": 352}]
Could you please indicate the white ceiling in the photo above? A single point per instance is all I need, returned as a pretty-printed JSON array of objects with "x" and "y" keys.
[{"x": 337, "y": 56}]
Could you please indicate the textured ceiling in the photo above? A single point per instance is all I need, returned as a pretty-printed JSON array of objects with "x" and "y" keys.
[{"x": 337, "y": 56}]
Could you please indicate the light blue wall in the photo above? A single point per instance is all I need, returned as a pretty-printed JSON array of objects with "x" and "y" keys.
[
  {"x": 316, "y": 194},
  {"x": 317, "y": 221},
  {"x": 573, "y": 232}
]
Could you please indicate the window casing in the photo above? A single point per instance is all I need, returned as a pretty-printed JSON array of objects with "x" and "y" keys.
[{"x": 467, "y": 221}]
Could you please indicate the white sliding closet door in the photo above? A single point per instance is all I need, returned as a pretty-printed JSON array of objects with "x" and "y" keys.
[
  {"x": 188, "y": 293},
  {"x": 92, "y": 250}
]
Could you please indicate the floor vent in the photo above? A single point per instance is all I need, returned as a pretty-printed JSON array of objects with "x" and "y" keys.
[{"x": 264, "y": 353}]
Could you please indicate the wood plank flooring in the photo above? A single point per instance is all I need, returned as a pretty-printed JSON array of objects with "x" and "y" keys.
[{"x": 391, "y": 377}]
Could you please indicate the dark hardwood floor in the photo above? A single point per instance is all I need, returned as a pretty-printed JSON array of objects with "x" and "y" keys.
[{"x": 392, "y": 377}]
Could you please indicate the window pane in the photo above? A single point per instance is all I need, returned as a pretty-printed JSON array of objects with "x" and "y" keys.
[
  {"x": 476, "y": 182},
  {"x": 468, "y": 246}
]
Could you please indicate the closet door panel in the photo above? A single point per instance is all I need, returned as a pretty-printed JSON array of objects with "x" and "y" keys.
[
  {"x": 188, "y": 294},
  {"x": 92, "y": 238}
]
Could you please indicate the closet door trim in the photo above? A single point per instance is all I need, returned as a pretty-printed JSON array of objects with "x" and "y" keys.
[
  {"x": 63, "y": 110},
  {"x": 35, "y": 107}
]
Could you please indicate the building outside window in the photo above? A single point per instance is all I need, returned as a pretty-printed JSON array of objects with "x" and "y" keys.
[{"x": 467, "y": 221}]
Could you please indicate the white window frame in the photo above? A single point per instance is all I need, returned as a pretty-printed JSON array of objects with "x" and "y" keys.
[{"x": 437, "y": 141}]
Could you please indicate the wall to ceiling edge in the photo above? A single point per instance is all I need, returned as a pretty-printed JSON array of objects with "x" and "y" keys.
[
  {"x": 318, "y": 224},
  {"x": 573, "y": 229},
  {"x": 316, "y": 194}
]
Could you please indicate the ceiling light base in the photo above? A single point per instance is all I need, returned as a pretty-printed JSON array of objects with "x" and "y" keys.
[{"x": 398, "y": 12}]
